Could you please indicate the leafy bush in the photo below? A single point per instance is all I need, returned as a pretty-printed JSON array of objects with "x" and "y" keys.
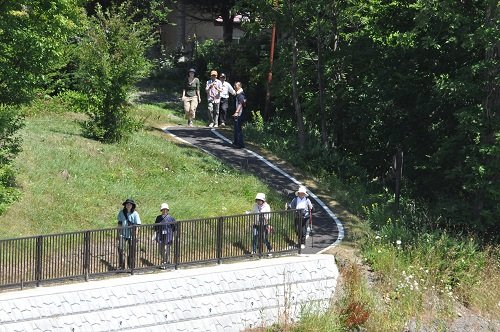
[
  {"x": 111, "y": 59},
  {"x": 10, "y": 145}
]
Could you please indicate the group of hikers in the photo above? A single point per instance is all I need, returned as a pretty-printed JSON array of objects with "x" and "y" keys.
[
  {"x": 165, "y": 225},
  {"x": 217, "y": 90}
]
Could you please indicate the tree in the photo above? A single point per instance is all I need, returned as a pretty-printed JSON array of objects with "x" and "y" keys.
[
  {"x": 33, "y": 39},
  {"x": 111, "y": 59},
  {"x": 33, "y": 43}
]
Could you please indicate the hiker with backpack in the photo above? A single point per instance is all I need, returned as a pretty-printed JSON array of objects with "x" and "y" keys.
[{"x": 304, "y": 220}]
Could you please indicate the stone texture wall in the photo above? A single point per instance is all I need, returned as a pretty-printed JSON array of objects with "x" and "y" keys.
[{"x": 227, "y": 297}]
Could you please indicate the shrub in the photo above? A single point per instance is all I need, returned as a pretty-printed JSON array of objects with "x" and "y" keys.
[{"x": 111, "y": 59}]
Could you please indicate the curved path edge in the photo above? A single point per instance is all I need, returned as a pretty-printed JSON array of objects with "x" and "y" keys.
[{"x": 329, "y": 212}]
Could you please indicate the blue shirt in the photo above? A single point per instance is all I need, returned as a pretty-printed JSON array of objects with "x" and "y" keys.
[{"x": 129, "y": 220}]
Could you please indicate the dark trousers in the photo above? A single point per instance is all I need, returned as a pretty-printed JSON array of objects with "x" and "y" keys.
[
  {"x": 238, "y": 133},
  {"x": 223, "y": 110},
  {"x": 301, "y": 228},
  {"x": 122, "y": 243},
  {"x": 258, "y": 231}
]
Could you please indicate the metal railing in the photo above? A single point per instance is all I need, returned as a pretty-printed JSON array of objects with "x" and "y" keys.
[{"x": 76, "y": 255}]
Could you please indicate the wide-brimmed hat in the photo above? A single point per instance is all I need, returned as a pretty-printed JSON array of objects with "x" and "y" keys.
[
  {"x": 128, "y": 200},
  {"x": 164, "y": 206},
  {"x": 301, "y": 189},
  {"x": 191, "y": 70},
  {"x": 261, "y": 196}
]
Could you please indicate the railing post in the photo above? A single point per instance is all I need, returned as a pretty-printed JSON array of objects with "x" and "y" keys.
[
  {"x": 132, "y": 248},
  {"x": 177, "y": 245},
  {"x": 38, "y": 266},
  {"x": 261, "y": 234},
  {"x": 298, "y": 224},
  {"x": 86, "y": 255},
  {"x": 220, "y": 225}
]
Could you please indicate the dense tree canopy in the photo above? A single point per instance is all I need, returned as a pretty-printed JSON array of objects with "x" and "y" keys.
[
  {"x": 33, "y": 39},
  {"x": 375, "y": 77}
]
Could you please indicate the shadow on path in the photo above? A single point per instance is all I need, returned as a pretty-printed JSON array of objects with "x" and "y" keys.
[{"x": 327, "y": 229}]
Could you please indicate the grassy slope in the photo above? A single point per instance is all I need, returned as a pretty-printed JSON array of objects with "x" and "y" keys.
[{"x": 150, "y": 167}]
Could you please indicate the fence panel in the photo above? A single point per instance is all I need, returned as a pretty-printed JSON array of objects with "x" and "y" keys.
[{"x": 95, "y": 252}]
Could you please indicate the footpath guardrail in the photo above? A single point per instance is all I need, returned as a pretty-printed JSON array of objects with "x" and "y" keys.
[{"x": 84, "y": 254}]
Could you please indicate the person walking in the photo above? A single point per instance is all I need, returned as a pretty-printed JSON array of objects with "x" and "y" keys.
[
  {"x": 191, "y": 96},
  {"x": 127, "y": 218},
  {"x": 224, "y": 99},
  {"x": 238, "y": 116},
  {"x": 213, "y": 89},
  {"x": 164, "y": 228},
  {"x": 302, "y": 221},
  {"x": 261, "y": 227}
]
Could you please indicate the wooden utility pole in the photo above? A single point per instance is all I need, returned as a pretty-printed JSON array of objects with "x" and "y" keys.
[{"x": 267, "y": 105}]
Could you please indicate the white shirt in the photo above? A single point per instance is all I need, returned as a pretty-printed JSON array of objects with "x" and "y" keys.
[
  {"x": 226, "y": 89},
  {"x": 302, "y": 203}
]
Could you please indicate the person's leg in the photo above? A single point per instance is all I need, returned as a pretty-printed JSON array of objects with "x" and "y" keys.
[
  {"x": 255, "y": 239},
  {"x": 297, "y": 227},
  {"x": 241, "y": 144},
  {"x": 216, "y": 114},
  {"x": 130, "y": 252},
  {"x": 223, "y": 111},
  {"x": 167, "y": 253},
  {"x": 187, "y": 108},
  {"x": 121, "y": 253},
  {"x": 304, "y": 230},
  {"x": 238, "y": 135},
  {"x": 161, "y": 252},
  {"x": 266, "y": 240},
  {"x": 192, "y": 109},
  {"x": 210, "y": 113}
]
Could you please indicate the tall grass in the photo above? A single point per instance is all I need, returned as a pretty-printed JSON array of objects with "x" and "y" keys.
[
  {"x": 421, "y": 268},
  {"x": 70, "y": 183}
]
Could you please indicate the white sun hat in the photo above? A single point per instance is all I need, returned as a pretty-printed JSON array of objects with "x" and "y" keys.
[
  {"x": 261, "y": 196},
  {"x": 302, "y": 189},
  {"x": 164, "y": 206}
]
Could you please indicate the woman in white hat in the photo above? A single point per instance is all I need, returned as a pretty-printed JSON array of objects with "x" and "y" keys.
[
  {"x": 165, "y": 226},
  {"x": 301, "y": 202},
  {"x": 261, "y": 223}
]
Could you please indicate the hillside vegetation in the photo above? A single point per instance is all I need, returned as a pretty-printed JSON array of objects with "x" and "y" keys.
[
  {"x": 397, "y": 271},
  {"x": 70, "y": 183}
]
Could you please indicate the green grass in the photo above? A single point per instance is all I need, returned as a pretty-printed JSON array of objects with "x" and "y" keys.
[{"x": 71, "y": 183}]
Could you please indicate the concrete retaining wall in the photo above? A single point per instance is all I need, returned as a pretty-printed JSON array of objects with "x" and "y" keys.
[{"x": 227, "y": 297}]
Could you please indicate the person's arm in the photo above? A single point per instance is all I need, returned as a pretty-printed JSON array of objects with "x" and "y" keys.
[
  {"x": 267, "y": 210},
  {"x": 237, "y": 112},
  {"x": 230, "y": 89},
  {"x": 198, "y": 89},
  {"x": 120, "y": 218}
]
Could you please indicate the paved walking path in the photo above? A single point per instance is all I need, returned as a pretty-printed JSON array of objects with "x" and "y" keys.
[{"x": 327, "y": 228}]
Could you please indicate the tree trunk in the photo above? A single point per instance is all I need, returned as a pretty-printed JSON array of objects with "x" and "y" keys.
[
  {"x": 227, "y": 24},
  {"x": 321, "y": 86},
  {"x": 295, "y": 93}
]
